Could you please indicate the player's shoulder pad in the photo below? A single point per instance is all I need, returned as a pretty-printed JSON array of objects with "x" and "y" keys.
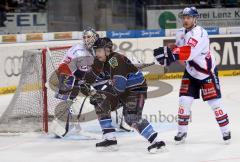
[
  {"x": 77, "y": 47},
  {"x": 195, "y": 36},
  {"x": 198, "y": 31},
  {"x": 180, "y": 31},
  {"x": 123, "y": 59},
  {"x": 117, "y": 55}
]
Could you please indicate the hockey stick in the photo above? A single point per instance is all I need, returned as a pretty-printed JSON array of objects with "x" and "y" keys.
[
  {"x": 67, "y": 123},
  {"x": 165, "y": 60},
  {"x": 145, "y": 65},
  {"x": 62, "y": 109},
  {"x": 81, "y": 108}
]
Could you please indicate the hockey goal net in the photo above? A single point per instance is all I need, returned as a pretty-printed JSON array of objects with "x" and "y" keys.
[{"x": 33, "y": 104}]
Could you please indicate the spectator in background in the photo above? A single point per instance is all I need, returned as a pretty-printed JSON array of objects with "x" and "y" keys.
[
  {"x": 13, "y": 5},
  {"x": 25, "y": 5},
  {"x": 38, "y": 5},
  {"x": 3, "y": 9}
]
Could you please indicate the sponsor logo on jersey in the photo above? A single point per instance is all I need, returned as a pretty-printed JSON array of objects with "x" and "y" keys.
[{"x": 192, "y": 42}]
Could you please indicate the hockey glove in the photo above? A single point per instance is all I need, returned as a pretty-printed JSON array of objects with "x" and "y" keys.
[
  {"x": 66, "y": 83},
  {"x": 164, "y": 56},
  {"x": 96, "y": 98}
]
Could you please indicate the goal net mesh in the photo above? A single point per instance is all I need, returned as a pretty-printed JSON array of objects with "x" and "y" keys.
[{"x": 27, "y": 111}]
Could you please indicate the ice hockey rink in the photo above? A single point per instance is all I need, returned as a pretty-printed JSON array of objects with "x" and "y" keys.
[{"x": 204, "y": 142}]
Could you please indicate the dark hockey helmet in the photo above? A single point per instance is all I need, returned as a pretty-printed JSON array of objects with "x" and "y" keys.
[
  {"x": 189, "y": 11},
  {"x": 103, "y": 43}
]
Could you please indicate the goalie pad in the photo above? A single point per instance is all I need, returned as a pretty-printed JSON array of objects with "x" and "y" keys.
[
  {"x": 58, "y": 125},
  {"x": 58, "y": 129}
]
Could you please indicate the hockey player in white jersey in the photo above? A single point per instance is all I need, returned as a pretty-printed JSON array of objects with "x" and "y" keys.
[
  {"x": 201, "y": 74},
  {"x": 70, "y": 72},
  {"x": 75, "y": 63}
]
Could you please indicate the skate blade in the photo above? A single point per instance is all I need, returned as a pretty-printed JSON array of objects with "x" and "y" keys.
[
  {"x": 107, "y": 149},
  {"x": 180, "y": 142},
  {"x": 160, "y": 150},
  {"x": 227, "y": 142},
  {"x": 57, "y": 136}
]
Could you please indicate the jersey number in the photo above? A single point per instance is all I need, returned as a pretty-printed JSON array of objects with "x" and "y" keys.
[{"x": 218, "y": 113}]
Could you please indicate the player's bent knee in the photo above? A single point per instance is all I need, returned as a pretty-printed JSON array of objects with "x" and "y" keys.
[
  {"x": 186, "y": 102},
  {"x": 214, "y": 103},
  {"x": 130, "y": 119},
  {"x": 184, "y": 112}
]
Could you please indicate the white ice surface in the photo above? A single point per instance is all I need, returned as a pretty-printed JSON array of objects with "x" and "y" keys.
[{"x": 204, "y": 142}]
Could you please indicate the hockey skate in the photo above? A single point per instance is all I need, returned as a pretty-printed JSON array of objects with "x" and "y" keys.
[
  {"x": 107, "y": 145},
  {"x": 157, "y": 146},
  {"x": 227, "y": 137},
  {"x": 180, "y": 138}
]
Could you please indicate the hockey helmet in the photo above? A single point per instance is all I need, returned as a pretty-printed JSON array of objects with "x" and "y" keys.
[
  {"x": 189, "y": 11},
  {"x": 103, "y": 43},
  {"x": 89, "y": 37}
]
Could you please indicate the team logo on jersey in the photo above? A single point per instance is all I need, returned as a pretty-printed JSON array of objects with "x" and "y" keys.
[
  {"x": 113, "y": 62},
  {"x": 192, "y": 42},
  {"x": 84, "y": 68}
]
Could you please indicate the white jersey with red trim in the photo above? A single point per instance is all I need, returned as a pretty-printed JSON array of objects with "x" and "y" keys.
[
  {"x": 200, "y": 62},
  {"x": 76, "y": 51}
]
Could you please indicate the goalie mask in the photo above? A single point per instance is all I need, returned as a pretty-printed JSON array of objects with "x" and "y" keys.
[{"x": 89, "y": 37}]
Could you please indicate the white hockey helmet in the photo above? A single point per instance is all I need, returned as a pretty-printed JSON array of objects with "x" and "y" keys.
[{"x": 89, "y": 37}]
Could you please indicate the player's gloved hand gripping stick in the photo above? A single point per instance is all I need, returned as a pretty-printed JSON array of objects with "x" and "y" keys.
[{"x": 165, "y": 56}]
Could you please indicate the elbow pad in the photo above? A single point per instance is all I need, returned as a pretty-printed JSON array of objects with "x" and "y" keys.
[{"x": 182, "y": 53}]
